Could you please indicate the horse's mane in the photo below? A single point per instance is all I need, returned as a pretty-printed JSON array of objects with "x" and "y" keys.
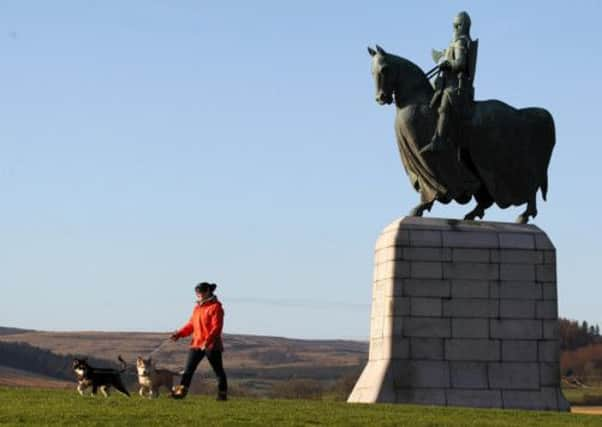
[{"x": 415, "y": 80}]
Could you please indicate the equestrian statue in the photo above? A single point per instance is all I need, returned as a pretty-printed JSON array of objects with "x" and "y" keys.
[{"x": 455, "y": 148}]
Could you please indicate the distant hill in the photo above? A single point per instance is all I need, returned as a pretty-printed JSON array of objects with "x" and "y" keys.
[
  {"x": 19, "y": 378},
  {"x": 255, "y": 363},
  {"x": 11, "y": 331}
]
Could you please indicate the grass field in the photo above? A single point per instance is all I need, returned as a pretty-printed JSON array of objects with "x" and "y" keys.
[{"x": 55, "y": 407}]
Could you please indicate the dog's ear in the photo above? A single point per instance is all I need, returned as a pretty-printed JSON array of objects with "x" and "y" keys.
[{"x": 139, "y": 358}]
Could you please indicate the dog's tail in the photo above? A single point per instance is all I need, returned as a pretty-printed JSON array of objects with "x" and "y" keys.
[{"x": 124, "y": 367}]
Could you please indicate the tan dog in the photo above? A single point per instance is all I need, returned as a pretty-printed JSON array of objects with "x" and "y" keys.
[{"x": 150, "y": 378}]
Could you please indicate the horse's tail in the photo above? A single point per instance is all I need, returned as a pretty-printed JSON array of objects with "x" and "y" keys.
[
  {"x": 550, "y": 138},
  {"x": 546, "y": 139}
]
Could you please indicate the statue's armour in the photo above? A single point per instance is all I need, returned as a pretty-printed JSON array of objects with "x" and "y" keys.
[{"x": 456, "y": 54}]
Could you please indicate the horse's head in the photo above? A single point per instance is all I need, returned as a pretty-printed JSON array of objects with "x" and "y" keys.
[
  {"x": 383, "y": 72},
  {"x": 398, "y": 79}
]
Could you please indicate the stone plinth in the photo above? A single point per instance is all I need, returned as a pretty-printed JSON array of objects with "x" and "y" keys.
[{"x": 464, "y": 313}]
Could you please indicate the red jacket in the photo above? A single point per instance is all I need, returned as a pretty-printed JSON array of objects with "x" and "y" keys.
[{"x": 205, "y": 325}]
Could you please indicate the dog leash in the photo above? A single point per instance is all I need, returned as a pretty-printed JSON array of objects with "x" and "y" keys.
[{"x": 157, "y": 348}]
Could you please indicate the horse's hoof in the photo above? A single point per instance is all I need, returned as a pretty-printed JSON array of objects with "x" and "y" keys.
[
  {"x": 472, "y": 216},
  {"x": 522, "y": 219}
]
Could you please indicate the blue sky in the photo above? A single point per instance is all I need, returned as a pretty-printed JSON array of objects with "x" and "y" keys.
[{"x": 149, "y": 145}]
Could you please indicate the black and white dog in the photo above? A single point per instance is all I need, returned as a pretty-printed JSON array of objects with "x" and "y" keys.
[{"x": 102, "y": 378}]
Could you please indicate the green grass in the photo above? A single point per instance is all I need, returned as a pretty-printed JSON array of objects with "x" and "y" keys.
[
  {"x": 56, "y": 407},
  {"x": 590, "y": 396}
]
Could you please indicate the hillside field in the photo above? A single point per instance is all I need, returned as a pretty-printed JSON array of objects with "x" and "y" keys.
[{"x": 61, "y": 407}]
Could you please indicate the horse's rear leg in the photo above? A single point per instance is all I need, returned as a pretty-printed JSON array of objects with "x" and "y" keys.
[
  {"x": 484, "y": 200},
  {"x": 531, "y": 211},
  {"x": 418, "y": 210}
]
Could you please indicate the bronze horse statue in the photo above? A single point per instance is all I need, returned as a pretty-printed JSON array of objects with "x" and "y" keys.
[{"x": 501, "y": 154}]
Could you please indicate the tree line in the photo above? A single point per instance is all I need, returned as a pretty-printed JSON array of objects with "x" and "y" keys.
[
  {"x": 575, "y": 334},
  {"x": 20, "y": 355}
]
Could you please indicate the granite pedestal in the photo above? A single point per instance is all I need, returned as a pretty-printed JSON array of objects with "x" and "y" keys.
[{"x": 464, "y": 313}]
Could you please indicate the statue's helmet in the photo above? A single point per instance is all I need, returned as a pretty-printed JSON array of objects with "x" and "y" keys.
[{"x": 462, "y": 23}]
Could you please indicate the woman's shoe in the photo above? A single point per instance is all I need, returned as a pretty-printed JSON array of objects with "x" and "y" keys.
[{"x": 179, "y": 392}]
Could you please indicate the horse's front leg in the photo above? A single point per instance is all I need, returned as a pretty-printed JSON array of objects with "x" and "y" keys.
[{"x": 419, "y": 209}]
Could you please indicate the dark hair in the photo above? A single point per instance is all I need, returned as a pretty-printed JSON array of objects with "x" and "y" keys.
[{"x": 205, "y": 286}]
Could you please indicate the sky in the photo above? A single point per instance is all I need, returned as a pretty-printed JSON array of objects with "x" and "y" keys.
[{"x": 146, "y": 146}]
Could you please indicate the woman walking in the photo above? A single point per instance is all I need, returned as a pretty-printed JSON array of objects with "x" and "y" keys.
[{"x": 205, "y": 325}]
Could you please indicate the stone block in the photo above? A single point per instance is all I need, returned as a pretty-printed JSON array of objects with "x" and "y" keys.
[
  {"x": 427, "y": 327},
  {"x": 523, "y": 272},
  {"x": 475, "y": 398},
  {"x": 426, "y": 270},
  {"x": 519, "y": 351},
  {"x": 514, "y": 375},
  {"x": 375, "y": 384},
  {"x": 547, "y": 309},
  {"x": 382, "y": 288},
  {"x": 470, "y": 328},
  {"x": 549, "y": 374},
  {"x": 472, "y": 240},
  {"x": 551, "y": 329},
  {"x": 400, "y": 348},
  {"x": 421, "y": 396},
  {"x": 494, "y": 290},
  {"x": 516, "y": 329},
  {"x": 544, "y": 399},
  {"x": 426, "y": 348},
  {"x": 426, "y": 288},
  {"x": 376, "y": 327},
  {"x": 543, "y": 242},
  {"x": 470, "y": 288},
  {"x": 517, "y": 240},
  {"x": 546, "y": 272},
  {"x": 472, "y": 349},
  {"x": 429, "y": 307},
  {"x": 549, "y": 257},
  {"x": 425, "y": 238},
  {"x": 470, "y": 270},
  {"x": 470, "y": 307},
  {"x": 400, "y": 307},
  {"x": 520, "y": 256},
  {"x": 398, "y": 325},
  {"x": 427, "y": 254},
  {"x": 519, "y": 290},
  {"x": 469, "y": 375},
  {"x": 392, "y": 270},
  {"x": 385, "y": 240},
  {"x": 380, "y": 348},
  {"x": 549, "y": 351},
  {"x": 383, "y": 255},
  {"x": 517, "y": 309},
  {"x": 550, "y": 291},
  {"x": 420, "y": 374},
  {"x": 471, "y": 255}
]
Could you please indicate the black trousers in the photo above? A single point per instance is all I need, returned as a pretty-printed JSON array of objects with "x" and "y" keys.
[{"x": 195, "y": 355}]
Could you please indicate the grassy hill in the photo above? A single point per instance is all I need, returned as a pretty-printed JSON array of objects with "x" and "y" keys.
[
  {"x": 255, "y": 364},
  {"x": 51, "y": 407}
]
